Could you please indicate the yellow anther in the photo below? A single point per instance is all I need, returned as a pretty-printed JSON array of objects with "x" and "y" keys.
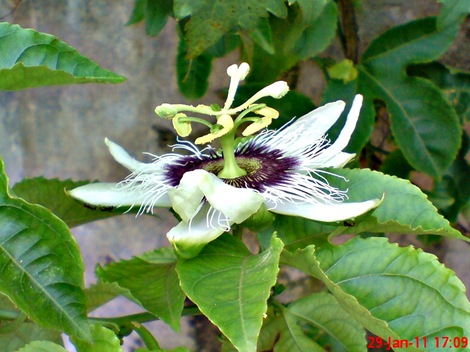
[
  {"x": 183, "y": 128},
  {"x": 268, "y": 112},
  {"x": 226, "y": 123}
]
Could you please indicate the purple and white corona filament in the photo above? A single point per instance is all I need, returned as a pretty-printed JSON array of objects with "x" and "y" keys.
[{"x": 213, "y": 189}]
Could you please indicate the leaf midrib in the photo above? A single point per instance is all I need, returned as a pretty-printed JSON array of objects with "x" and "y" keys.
[
  {"x": 405, "y": 114},
  {"x": 41, "y": 288}
]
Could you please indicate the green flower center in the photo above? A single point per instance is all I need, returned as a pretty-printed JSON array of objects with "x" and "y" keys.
[{"x": 250, "y": 165}]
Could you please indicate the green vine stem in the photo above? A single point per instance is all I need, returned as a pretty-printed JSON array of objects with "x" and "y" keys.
[
  {"x": 140, "y": 317},
  {"x": 6, "y": 314},
  {"x": 350, "y": 40},
  {"x": 13, "y": 324},
  {"x": 122, "y": 324},
  {"x": 148, "y": 339}
]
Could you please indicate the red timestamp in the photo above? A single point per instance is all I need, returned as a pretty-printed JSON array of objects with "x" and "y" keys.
[{"x": 376, "y": 342}]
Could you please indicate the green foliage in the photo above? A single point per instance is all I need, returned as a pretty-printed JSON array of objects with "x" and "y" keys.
[
  {"x": 231, "y": 286},
  {"x": 33, "y": 59},
  {"x": 193, "y": 74},
  {"x": 302, "y": 35},
  {"x": 152, "y": 282},
  {"x": 338, "y": 90},
  {"x": 104, "y": 340},
  {"x": 454, "y": 84},
  {"x": 42, "y": 346},
  {"x": 19, "y": 332},
  {"x": 101, "y": 292},
  {"x": 358, "y": 272},
  {"x": 38, "y": 191},
  {"x": 203, "y": 31},
  {"x": 418, "y": 110},
  {"x": 298, "y": 326},
  {"x": 41, "y": 267},
  {"x": 404, "y": 209},
  {"x": 155, "y": 13},
  {"x": 177, "y": 349}
]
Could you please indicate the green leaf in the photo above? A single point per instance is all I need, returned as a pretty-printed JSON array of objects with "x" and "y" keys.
[
  {"x": 395, "y": 292},
  {"x": 152, "y": 281},
  {"x": 405, "y": 208},
  {"x": 177, "y": 349},
  {"x": 262, "y": 35},
  {"x": 318, "y": 33},
  {"x": 102, "y": 292},
  {"x": 225, "y": 45},
  {"x": 452, "y": 12},
  {"x": 310, "y": 9},
  {"x": 452, "y": 192},
  {"x": 211, "y": 19},
  {"x": 322, "y": 311},
  {"x": 104, "y": 340},
  {"x": 284, "y": 334},
  {"x": 396, "y": 165},
  {"x": 338, "y": 90},
  {"x": 138, "y": 12},
  {"x": 300, "y": 36},
  {"x": 42, "y": 346},
  {"x": 231, "y": 286},
  {"x": 296, "y": 232},
  {"x": 418, "y": 110},
  {"x": 454, "y": 83},
  {"x": 314, "y": 321},
  {"x": 33, "y": 59},
  {"x": 41, "y": 269},
  {"x": 156, "y": 15},
  {"x": 25, "y": 334},
  {"x": 39, "y": 190},
  {"x": 192, "y": 74}
]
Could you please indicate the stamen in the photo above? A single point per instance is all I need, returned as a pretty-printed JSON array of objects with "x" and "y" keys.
[
  {"x": 276, "y": 90},
  {"x": 236, "y": 74},
  {"x": 225, "y": 121}
]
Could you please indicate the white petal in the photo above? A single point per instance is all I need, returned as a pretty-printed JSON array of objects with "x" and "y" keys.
[
  {"x": 327, "y": 157},
  {"x": 316, "y": 123},
  {"x": 237, "y": 204},
  {"x": 339, "y": 160},
  {"x": 122, "y": 157},
  {"x": 307, "y": 131},
  {"x": 190, "y": 237},
  {"x": 324, "y": 212},
  {"x": 111, "y": 194},
  {"x": 187, "y": 197}
]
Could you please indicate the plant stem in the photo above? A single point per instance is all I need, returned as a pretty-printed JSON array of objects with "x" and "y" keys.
[
  {"x": 140, "y": 317},
  {"x": 6, "y": 314},
  {"x": 14, "y": 324},
  {"x": 349, "y": 27},
  {"x": 148, "y": 339}
]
